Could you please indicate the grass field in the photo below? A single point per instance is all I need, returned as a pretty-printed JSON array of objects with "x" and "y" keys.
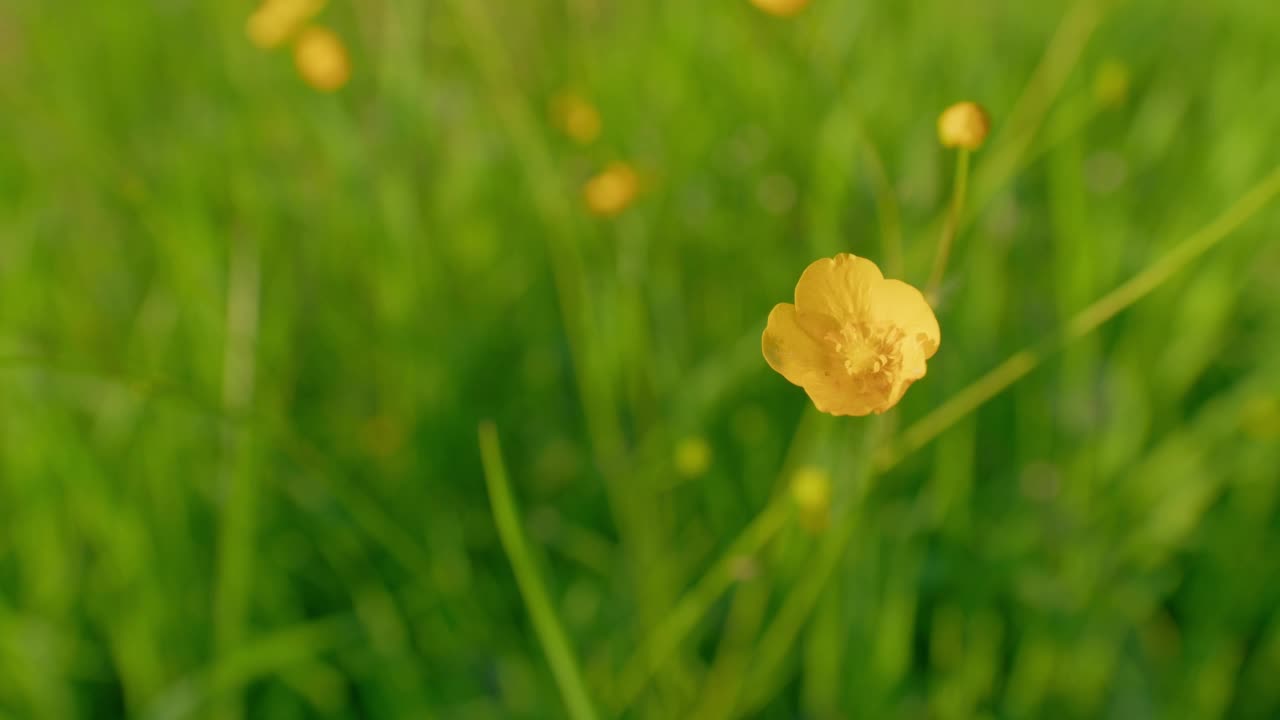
[{"x": 344, "y": 404}]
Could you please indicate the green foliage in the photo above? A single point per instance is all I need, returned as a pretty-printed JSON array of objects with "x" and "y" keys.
[{"x": 248, "y": 332}]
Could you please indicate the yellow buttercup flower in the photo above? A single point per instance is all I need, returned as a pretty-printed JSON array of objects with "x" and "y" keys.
[
  {"x": 322, "y": 59},
  {"x": 781, "y": 8},
  {"x": 613, "y": 190},
  {"x": 853, "y": 340},
  {"x": 275, "y": 20},
  {"x": 963, "y": 125}
]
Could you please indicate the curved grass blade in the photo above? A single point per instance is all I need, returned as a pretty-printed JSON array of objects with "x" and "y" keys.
[{"x": 555, "y": 643}]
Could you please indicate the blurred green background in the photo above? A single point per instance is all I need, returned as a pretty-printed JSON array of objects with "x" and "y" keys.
[{"x": 248, "y": 332}]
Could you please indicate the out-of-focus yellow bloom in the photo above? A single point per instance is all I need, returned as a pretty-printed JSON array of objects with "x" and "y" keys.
[
  {"x": 276, "y": 20},
  {"x": 781, "y": 8},
  {"x": 811, "y": 491},
  {"x": 963, "y": 125},
  {"x": 1111, "y": 84},
  {"x": 576, "y": 117},
  {"x": 693, "y": 456},
  {"x": 613, "y": 190},
  {"x": 322, "y": 59},
  {"x": 853, "y": 340}
]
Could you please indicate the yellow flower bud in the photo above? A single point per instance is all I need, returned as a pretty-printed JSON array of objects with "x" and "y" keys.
[
  {"x": 693, "y": 456},
  {"x": 613, "y": 190},
  {"x": 275, "y": 20},
  {"x": 322, "y": 59},
  {"x": 781, "y": 8},
  {"x": 1111, "y": 84},
  {"x": 576, "y": 117},
  {"x": 963, "y": 125},
  {"x": 811, "y": 491}
]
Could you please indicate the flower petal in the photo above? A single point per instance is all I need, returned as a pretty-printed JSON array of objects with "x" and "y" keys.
[
  {"x": 835, "y": 394},
  {"x": 791, "y": 346},
  {"x": 838, "y": 287},
  {"x": 913, "y": 368},
  {"x": 794, "y": 353},
  {"x": 897, "y": 303}
]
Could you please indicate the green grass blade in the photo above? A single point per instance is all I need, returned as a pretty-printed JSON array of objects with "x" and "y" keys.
[{"x": 560, "y": 656}]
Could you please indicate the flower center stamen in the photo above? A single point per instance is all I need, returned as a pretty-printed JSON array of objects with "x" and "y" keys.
[{"x": 865, "y": 349}]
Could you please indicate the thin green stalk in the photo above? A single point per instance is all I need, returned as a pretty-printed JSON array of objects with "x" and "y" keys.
[
  {"x": 631, "y": 505},
  {"x": 236, "y": 520},
  {"x": 958, "y": 189},
  {"x": 887, "y": 212},
  {"x": 728, "y": 672},
  {"x": 781, "y": 633},
  {"x": 546, "y": 189},
  {"x": 1028, "y": 113},
  {"x": 919, "y": 433},
  {"x": 1063, "y": 130},
  {"x": 676, "y": 626},
  {"x": 265, "y": 656},
  {"x": 551, "y": 634},
  {"x": 691, "y": 608}
]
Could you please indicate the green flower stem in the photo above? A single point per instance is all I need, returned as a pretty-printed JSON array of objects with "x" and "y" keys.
[
  {"x": 959, "y": 187},
  {"x": 667, "y": 637},
  {"x": 887, "y": 212}
]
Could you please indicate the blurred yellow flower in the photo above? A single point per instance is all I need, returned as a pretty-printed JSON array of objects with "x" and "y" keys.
[
  {"x": 613, "y": 190},
  {"x": 963, "y": 125},
  {"x": 693, "y": 456},
  {"x": 853, "y": 340},
  {"x": 1111, "y": 84},
  {"x": 322, "y": 59},
  {"x": 811, "y": 491},
  {"x": 276, "y": 20},
  {"x": 576, "y": 117},
  {"x": 781, "y": 8}
]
